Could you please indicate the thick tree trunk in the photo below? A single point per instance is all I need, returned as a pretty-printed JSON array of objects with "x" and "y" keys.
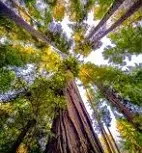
[
  {"x": 129, "y": 12},
  {"x": 116, "y": 4},
  {"x": 113, "y": 140},
  {"x": 72, "y": 128},
  {"x": 23, "y": 133}
]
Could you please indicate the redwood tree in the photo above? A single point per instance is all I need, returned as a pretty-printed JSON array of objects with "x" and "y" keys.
[{"x": 72, "y": 128}]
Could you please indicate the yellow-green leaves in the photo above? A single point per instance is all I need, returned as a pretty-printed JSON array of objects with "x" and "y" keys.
[
  {"x": 132, "y": 138},
  {"x": 6, "y": 78},
  {"x": 50, "y": 60}
]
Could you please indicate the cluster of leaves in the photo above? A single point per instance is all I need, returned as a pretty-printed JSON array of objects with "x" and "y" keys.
[
  {"x": 6, "y": 78},
  {"x": 128, "y": 85},
  {"x": 12, "y": 31},
  {"x": 101, "y": 8},
  {"x": 60, "y": 39},
  {"x": 71, "y": 64},
  {"x": 126, "y": 43},
  {"x": 132, "y": 138},
  {"x": 16, "y": 55},
  {"x": 59, "y": 10}
]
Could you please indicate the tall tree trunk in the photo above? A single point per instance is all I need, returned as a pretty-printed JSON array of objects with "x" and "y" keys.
[
  {"x": 23, "y": 133},
  {"x": 109, "y": 141},
  {"x": 7, "y": 12},
  {"x": 116, "y": 101},
  {"x": 128, "y": 13},
  {"x": 113, "y": 140},
  {"x": 111, "y": 96},
  {"x": 72, "y": 128},
  {"x": 105, "y": 140},
  {"x": 116, "y": 4},
  {"x": 102, "y": 130}
]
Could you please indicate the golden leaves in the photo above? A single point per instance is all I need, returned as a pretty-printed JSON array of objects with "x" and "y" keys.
[
  {"x": 22, "y": 149},
  {"x": 59, "y": 11}
]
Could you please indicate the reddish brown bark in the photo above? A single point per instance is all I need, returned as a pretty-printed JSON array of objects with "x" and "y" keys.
[
  {"x": 116, "y": 4},
  {"x": 72, "y": 128},
  {"x": 109, "y": 141}
]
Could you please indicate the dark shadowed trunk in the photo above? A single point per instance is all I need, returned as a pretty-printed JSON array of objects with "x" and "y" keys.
[
  {"x": 5, "y": 11},
  {"x": 113, "y": 140},
  {"x": 109, "y": 13},
  {"x": 72, "y": 128},
  {"x": 21, "y": 136},
  {"x": 128, "y": 13}
]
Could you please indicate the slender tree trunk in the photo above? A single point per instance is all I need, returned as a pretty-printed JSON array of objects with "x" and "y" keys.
[
  {"x": 105, "y": 140},
  {"x": 109, "y": 141},
  {"x": 23, "y": 133},
  {"x": 129, "y": 12},
  {"x": 72, "y": 128},
  {"x": 113, "y": 140},
  {"x": 7, "y": 12},
  {"x": 95, "y": 111},
  {"x": 116, "y": 4},
  {"x": 117, "y": 102}
]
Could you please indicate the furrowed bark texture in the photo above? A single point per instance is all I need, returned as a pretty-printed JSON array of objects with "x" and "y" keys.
[{"x": 72, "y": 128}]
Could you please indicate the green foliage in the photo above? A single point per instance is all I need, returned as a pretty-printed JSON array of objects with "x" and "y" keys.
[
  {"x": 126, "y": 42},
  {"x": 15, "y": 55},
  {"x": 101, "y": 8},
  {"x": 132, "y": 138},
  {"x": 6, "y": 78},
  {"x": 60, "y": 42},
  {"x": 71, "y": 64},
  {"x": 10, "y": 30},
  {"x": 125, "y": 84},
  {"x": 83, "y": 48}
]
